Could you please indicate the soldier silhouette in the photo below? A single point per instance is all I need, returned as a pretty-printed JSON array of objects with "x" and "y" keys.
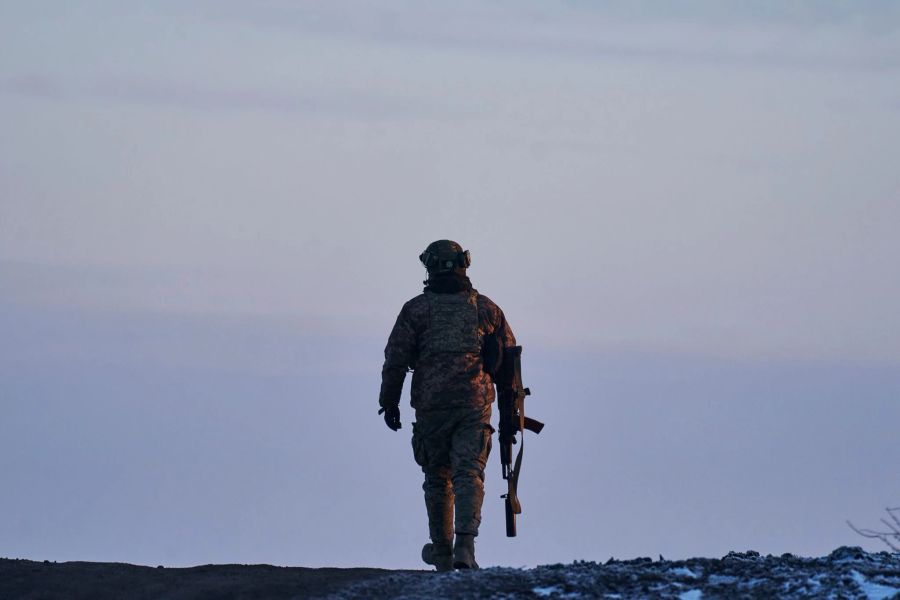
[{"x": 444, "y": 335}]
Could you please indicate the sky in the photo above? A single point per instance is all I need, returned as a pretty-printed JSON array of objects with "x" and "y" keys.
[{"x": 210, "y": 214}]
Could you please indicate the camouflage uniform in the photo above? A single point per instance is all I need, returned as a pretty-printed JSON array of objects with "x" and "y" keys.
[{"x": 440, "y": 336}]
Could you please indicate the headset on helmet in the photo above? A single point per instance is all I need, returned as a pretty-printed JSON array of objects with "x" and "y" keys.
[{"x": 445, "y": 255}]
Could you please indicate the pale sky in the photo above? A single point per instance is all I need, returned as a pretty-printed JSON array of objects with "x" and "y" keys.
[{"x": 210, "y": 215}]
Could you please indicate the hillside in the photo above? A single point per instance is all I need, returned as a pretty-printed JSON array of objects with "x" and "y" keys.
[{"x": 845, "y": 573}]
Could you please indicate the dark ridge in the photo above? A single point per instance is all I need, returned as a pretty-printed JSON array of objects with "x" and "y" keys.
[
  {"x": 848, "y": 572},
  {"x": 90, "y": 580}
]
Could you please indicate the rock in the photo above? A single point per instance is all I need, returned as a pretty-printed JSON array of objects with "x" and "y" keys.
[{"x": 847, "y": 553}]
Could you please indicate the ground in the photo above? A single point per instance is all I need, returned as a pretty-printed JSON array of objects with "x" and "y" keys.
[
  {"x": 100, "y": 581},
  {"x": 845, "y": 573}
]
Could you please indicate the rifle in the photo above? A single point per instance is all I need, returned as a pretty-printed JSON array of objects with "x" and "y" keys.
[{"x": 511, "y": 401}]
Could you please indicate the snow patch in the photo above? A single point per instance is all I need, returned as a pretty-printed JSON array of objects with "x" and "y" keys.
[
  {"x": 690, "y": 595},
  {"x": 873, "y": 591},
  {"x": 683, "y": 572},
  {"x": 546, "y": 592}
]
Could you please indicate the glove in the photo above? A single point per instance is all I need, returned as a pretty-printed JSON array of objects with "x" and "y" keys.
[
  {"x": 391, "y": 417},
  {"x": 507, "y": 438}
]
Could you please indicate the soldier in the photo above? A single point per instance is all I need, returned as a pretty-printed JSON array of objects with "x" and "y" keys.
[{"x": 445, "y": 336}]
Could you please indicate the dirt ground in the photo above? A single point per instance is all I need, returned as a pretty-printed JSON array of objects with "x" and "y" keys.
[
  {"x": 847, "y": 572},
  {"x": 76, "y": 580}
]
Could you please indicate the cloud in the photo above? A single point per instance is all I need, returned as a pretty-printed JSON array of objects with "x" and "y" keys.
[
  {"x": 204, "y": 97},
  {"x": 825, "y": 36}
]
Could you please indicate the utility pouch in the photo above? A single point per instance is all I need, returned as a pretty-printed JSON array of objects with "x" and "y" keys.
[{"x": 491, "y": 354}]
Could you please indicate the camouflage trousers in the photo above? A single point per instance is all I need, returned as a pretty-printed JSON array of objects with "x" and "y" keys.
[{"x": 452, "y": 447}]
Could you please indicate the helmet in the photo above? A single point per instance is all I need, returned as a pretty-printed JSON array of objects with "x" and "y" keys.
[{"x": 444, "y": 256}]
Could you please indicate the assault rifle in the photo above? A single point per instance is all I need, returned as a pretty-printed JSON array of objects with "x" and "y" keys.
[{"x": 511, "y": 400}]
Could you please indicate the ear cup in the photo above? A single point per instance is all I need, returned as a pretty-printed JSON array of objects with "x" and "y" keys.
[{"x": 429, "y": 259}]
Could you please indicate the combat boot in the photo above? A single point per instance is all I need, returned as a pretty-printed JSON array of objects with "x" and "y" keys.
[
  {"x": 438, "y": 555},
  {"x": 464, "y": 552}
]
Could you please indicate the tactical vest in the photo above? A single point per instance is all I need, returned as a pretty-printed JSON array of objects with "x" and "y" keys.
[{"x": 453, "y": 325}]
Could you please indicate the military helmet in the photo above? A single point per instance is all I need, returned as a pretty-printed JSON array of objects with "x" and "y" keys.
[{"x": 445, "y": 255}]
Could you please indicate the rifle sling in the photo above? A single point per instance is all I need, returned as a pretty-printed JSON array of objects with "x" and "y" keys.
[{"x": 514, "y": 480}]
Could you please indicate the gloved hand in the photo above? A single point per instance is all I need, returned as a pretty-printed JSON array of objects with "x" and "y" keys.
[
  {"x": 391, "y": 417},
  {"x": 507, "y": 438}
]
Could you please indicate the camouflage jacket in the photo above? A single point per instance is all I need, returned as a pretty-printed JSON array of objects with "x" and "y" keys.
[{"x": 439, "y": 337}]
